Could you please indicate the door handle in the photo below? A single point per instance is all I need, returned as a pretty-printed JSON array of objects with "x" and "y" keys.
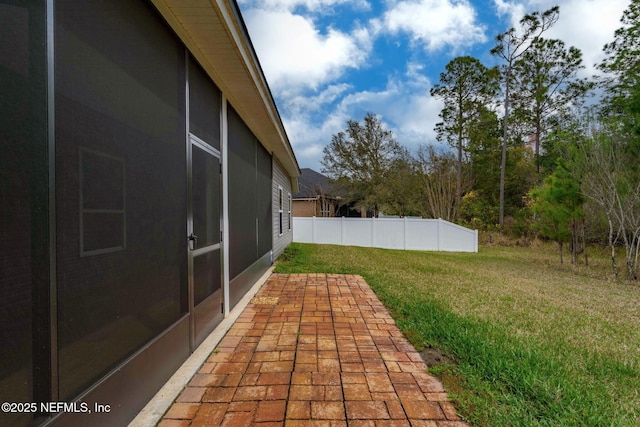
[{"x": 193, "y": 238}]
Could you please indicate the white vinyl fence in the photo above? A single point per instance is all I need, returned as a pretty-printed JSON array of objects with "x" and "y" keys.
[{"x": 388, "y": 233}]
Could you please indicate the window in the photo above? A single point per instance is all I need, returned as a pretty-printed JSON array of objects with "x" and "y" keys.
[
  {"x": 280, "y": 203},
  {"x": 289, "y": 211},
  {"x": 102, "y": 203}
]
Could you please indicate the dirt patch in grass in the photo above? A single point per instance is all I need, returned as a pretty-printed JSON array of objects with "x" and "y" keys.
[{"x": 434, "y": 357}]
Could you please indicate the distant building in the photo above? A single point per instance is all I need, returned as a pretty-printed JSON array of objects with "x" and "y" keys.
[
  {"x": 317, "y": 197},
  {"x": 314, "y": 198}
]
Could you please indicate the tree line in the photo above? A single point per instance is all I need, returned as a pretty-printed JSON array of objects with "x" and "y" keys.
[{"x": 525, "y": 152}]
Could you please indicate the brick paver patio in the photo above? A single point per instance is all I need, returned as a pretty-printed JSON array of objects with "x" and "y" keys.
[{"x": 313, "y": 350}]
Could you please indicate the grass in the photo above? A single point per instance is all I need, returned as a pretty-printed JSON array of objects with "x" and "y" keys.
[{"x": 536, "y": 343}]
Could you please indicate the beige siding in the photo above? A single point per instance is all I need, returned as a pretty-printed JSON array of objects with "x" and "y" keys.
[
  {"x": 313, "y": 207},
  {"x": 281, "y": 180},
  {"x": 304, "y": 208}
]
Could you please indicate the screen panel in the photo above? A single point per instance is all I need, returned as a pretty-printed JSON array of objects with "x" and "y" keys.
[
  {"x": 205, "y": 101},
  {"x": 206, "y": 197},
  {"x": 206, "y": 275},
  {"x": 242, "y": 196},
  {"x": 24, "y": 210},
  {"x": 120, "y": 130}
]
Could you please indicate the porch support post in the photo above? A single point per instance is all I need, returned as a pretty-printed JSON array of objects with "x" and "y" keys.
[{"x": 224, "y": 144}]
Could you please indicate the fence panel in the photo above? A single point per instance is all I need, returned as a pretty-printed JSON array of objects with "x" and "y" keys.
[
  {"x": 457, "y": 236},
  {"x": 423, "y": 235},
  {"x": 389, "y": 233},
  {"x": 326, "y": 231},
  {"x": 356, "y": 232},
  {"x": 303, "y": 230}
]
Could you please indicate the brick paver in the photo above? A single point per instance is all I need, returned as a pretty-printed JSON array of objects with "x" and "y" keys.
[{"x": 314, "y": 350}]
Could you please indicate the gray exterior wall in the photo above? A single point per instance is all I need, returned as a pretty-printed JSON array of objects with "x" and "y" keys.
[{"x": 281, "y": 180}]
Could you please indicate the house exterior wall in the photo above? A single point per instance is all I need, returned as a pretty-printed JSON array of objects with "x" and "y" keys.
[
  {"x": 281, "y": 181},
  {"x": 108, "y": 121},
  {"x": 305, "y": 208},
  {"x": 310, "y": 207}
]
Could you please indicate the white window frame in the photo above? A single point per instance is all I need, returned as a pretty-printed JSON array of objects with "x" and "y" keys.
[
  {"x": 280, "y": 211},
  {"x": 289, "y": 212}
]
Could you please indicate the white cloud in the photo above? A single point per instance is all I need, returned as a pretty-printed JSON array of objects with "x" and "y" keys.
[
  {"x": 304, "y": 57},
  {"x": 435, "y": 23},
  {"x": 589, "y": 25},
  {"x": 585, "y": 24},
  {"x": 307, "y": 102},
  {"x": 310, "y": 135},
  {"x": 404, "y": 106},
  {"x": 514, "y": 11},
  {"x": 322, "y": 6},
  {"x": 304, "y": 60}
]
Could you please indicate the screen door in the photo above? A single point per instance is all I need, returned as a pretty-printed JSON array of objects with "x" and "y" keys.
[{"x": 204, "y": 235}]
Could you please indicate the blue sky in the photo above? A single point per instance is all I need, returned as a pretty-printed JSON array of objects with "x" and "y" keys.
[{"x": 328, "y": 61}]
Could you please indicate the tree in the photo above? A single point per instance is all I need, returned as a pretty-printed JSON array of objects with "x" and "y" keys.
[
  {"x": 481, "y": 208},
  {"x": 402, "y": 190},
  {"x": 611, "y": 158},
  {"x": 466, "y": 86},
  {"x": 622, "y": 65},
  {"x": 510, "y": 46},
  {"x": 564, "y": 134},
  {"x": 546, "y": 82},
  {"x": 438, "y": 179},
  {"x": 557, "y": 205},
  {"x": 359, "y": 161},
  {"x": 484, "y": 153},
  {"x": 612, "y": 181}
]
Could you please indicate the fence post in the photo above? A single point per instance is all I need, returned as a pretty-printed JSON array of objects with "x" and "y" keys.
[
  {"x": 373, "y": 232},
  {"x": 406, "y": 233},
  {"x": 476, "y": 242},
  {"x": 313, "y": 229},
  {"x": 439, "y": 234},
  {"x": 342, "y": 231}
]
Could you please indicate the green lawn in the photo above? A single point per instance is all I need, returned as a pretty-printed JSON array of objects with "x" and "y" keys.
[{"x": 536, "y": 343}]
